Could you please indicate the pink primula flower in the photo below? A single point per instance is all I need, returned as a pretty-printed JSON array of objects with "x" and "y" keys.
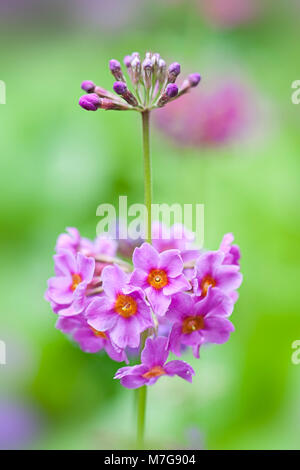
[
  {"x": 196, "y": 322},
  {"x": 210, "y": 271},
  {"x": 153, "y": 366},
  {"x": 67, "y": 290},
  {"x": 122, "y": 310},
  {"x": 89, "y": 339},
  {"x": 159, "y": 275}
]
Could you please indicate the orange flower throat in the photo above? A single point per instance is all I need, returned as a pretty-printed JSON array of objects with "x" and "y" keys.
[
  {"x": 158, "y": 278},
  {"x": 125, "y": 306},
  {"x": 156, "y": 371},
  {"x": 100, "y": 334},
  {"x": 191, "y": 324},
  {"x": 205, "y": 283},
  {"x": 76, "y": 280}
]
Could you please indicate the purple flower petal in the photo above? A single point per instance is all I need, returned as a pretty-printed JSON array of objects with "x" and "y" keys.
[
  {"x": 180, "y": 368},
  {"x": 113, "y": 279},
  {"x": 155, "y": 352},
  {"x": 170, "y": 261},
  {"x": 59, "y": 290},
  {"x": 217, "y": 330},
  {"x": 139, "y": 278},
  {"x": 159, "y": 302},
  {"x": 100, "y": 314},
  {"x": 86, "y": 267},
  {"x": 228, "y": 277},
  {"x": 174, "y": 340},
  {"x": 65, "y": 263},
  {"x": 145, "y": 258},
  {"x": 181, "y": 306},
  {"x": 125, "y": 333},
  {"x": 216, "y": 302},
  {"x": 180, "y": 283}
]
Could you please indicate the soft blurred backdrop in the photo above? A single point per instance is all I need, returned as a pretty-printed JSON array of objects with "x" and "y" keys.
[{"x": 241, "y": 159}]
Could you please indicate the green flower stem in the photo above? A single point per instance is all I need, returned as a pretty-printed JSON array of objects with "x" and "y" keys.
[
  {"x": 142, "y": 392},
  {"x": 141, "y": 415},
  {"x": 147, "y": 171}
]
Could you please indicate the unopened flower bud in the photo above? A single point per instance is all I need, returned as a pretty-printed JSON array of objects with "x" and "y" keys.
[
  {"x": 115, "y": 68},
  {"x": 136, "y": 70},
  {"x": 90, "y": 102},
  {"x": 127, "y": 61},
  {"x": 155, "y": 59},
  {"x": 121, "y": 89},
  {"x": 88, "y": 86},
  {"x": 170, "y": 92},
  {"x": 173, "y": 72},
  {"x": 194, "y": 79},
  {"x": 162, "y": 71},
  {"x": 135, "y": 54},
  {"x": 147, "y": 72}
]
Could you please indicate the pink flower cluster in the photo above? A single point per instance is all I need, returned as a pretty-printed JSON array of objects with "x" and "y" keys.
[{"x": 167, "y": 297}]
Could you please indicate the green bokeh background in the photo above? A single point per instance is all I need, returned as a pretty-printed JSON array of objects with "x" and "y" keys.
[{"x": 58, "y": 163}]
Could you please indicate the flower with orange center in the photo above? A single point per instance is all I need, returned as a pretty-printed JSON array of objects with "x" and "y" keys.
[
  {"x": 121, "y": 311},
  {"x": 160, "y": 275},
  {"x": 76, "y": 280},
  {"x": 198, "y": 320},
  {"x": 155, "y": 371},
  {"x": 125, "y": 306},
  {"x": 158, "y": 278},
  {"x": 153, "y": 366},
  {"x": 206, "y": 282},
  {"x": 192, "y": 323}
]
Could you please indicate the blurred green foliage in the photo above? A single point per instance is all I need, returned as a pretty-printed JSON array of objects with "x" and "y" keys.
[{"x": 58, "y": 163}]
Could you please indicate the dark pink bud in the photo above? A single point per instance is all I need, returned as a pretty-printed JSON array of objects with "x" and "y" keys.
[
  {"x": 120, "y": 88},
  {"x": 88, "y": 86},
  {"x": 90, "y": 102},
  {"x": 194, "y": 79},
  {"x": 172, "y": 90}
]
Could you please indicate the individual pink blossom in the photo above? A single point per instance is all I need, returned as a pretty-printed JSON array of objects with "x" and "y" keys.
[
  {"x": 122, "y": 311},
  {"x": 153, "y": 365},
  {"x": 197, "y": 321},
  {"x": 232, "y": 252},
  {"x": 67, "y": 290},
  {"x": 160, "y": 275},
  {"x": 89, "y": 339},
  {"x": 210, "y": 271}
]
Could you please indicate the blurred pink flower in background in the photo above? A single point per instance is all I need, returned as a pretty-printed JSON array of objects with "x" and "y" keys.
[
  {"x": 209, "y": 117},
  {"x": 229, "y": 13}
]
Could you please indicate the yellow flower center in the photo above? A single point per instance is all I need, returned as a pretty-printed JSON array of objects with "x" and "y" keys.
[
  {"x": 100, "y": 334},
  {"x": 76, "y": 280},
  {"x": 158, "y": 278},
  {"x": 205, "y": 283},
  {"x": 125, "y": 306},
  {"x": 191, "y": 324},
  {"x": 156, "y": 371}
]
